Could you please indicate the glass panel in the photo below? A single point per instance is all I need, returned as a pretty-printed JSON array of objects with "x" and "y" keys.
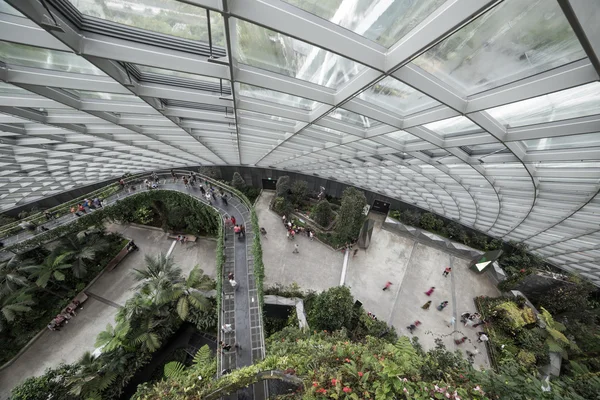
[
  {"x": 453, "y": 126},
  {"x": 395, "y": 96},
  {"x": 88, "y": 95},
  {"x": 252, "y": 114},
  {"x": 160, "y": 71},
  {"x": 327, "y": 130},
  {"x": 563, "y": 142},
  {"x": 6, "y": 88},
  {"x": 401, "y": 136},
  {"x": 6, "y": 9},
  {"x": 170, "y": 17},
  {"x": 36, "y": 57},
  {"x": 514, "y": 40},
  {"x": 571, "y": 103},
  {"x": 276, "y": 97},
  {"x": 382, "y": 21},
  {"x": 263, "y": 48},
  {"x": 353, "y": 118}
]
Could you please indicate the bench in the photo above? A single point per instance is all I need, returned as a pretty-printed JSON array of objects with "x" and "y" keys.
[
  {"x": 81, "y": 298},
  {"x": 190, "y": 238},
  {"x": 118, "y": 258}
]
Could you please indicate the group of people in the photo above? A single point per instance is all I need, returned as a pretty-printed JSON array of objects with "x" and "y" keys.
[
  {"x": 86, "y": 206},
  {"x": 64, "y": 317},
  {"x": 182, "y": 239},
  {"x": 440, "y": 307},
  {"x": 239, "y": 230},
  {"x": 293, "y": 229}
]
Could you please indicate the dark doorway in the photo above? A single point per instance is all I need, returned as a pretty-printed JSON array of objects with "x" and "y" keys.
[
  {"x": 380, "y": 207},
  {"x": 269, "y": 184}
]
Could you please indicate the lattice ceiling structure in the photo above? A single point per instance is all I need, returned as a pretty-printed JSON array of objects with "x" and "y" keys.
[{"x": 484, "y": 111}]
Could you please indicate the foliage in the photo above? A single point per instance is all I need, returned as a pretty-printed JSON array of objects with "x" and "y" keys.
[
  {"x": 81, "y": 250},
  {"x": 13, "y": 304},
  {"x": 251, "y": 193},
  {"x": 259, "y": 267},
  {"x": 526, "y": 358},
  {"x": 299, "y": 192},
  {"x": 571, "y": 298},
  {"x": 292, "y": 290},
  {"x": 330, "y": 310},
  {"x": 282, "y": 206},
  {"x": 517, "y": 317},
  {"x": 51, "y": 382},
  {"x": 238, "y": 182},
  {"x": 283, "y": 186},
  {"x": 456, "y": 232},
  {"x": 350, "y": 215},
  {"x": 555, "y": 339},
  {"x": 323, "y": 214},
  {"x": 431, "y": 223},
  {"x": 143, "y": 215}
]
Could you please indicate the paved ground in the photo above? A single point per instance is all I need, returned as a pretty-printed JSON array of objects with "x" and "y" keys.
[
  {"x": 68, "y": 344},
  {"x": 316, "y": 267},
  {"x": 412, "y": 267}
]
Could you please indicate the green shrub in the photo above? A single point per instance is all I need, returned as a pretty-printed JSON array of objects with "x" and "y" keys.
[
  {"x": 351, "y": 215},
  {"x": 299, "y": 192},
  {"x": 322, "y": 213},
  {"x": 331, "y": 310},
  {"x": 410, "y": 217},
  {"x": 430, "y": 223},
  {"x": 237, "y": 181},
  {"x": 143, "y": 215},
  {"x": 456, "y": 232},
  {"x": 526, "y": 358},
  {"x": 282, "y": 206}
]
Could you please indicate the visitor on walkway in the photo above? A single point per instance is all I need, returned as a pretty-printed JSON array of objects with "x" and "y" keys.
[
  {"x": 296, "y": 249},
  {"x": 224, "y": 199},
  {"x": 387, "y": 285},
  {"x": 284, "y": 221},
  {"x": 451, "y": 322},
  {"x": 263, "y": 232},
  {"x": 202, "y": 190},
  {"x": 207, "y": 195},
  {"x": 430, "y": 291},
  {"x": 442, "y": 305},
  {"x": 174, "y": 176},
  {"x": 233, "y": 284},
  {"x": 49, "y": 215},
  {"x": 311, "y": 235},
  {"x": 227, "y": 222},
  {"x": 426, "y": 305},
  {"x": 243, "y": 230},
  {"x": 224, "y": 346},
  {"x": 482, "y": 337},
  {"x": 411, "y": 328},
  {"x": 482, "y": 322},
  {"x": 75, "y": 212},
  {"x": 232, "y": 220},
  {"x": 230, "y": 276},
  {"x": 237, "y": 230},
  {"x": 471, "y": 354},
  {"x": 447, "y": 271},
  {"x": 461, "y": 340},
  {"x": 122, "y": 183},
  {"x": 227, "y": 328},
  {"x": 80, "y": 208},
  {"x": 185, "y": 182}
]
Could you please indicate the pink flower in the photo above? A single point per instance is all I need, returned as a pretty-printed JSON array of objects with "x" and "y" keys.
[
  {"x": 347, "y": 360},
  {"x": 404, "y": 390},
  {"x": 347, "y": 389},
  {"x": 334, "y": 381},
  {"x": 447, "y": 395},
  {"x": 404, "y": 380},
  {"x": 477, "y": 388},
  {"x": 360, "y": 373},
  {"x": 321, "y": 390},
  {"x": 315, "y": 384}
]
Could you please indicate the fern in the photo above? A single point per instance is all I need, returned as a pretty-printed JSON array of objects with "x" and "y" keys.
[
  {"x": 203, "y": 356},
  {"x": 174, "y": 369}
]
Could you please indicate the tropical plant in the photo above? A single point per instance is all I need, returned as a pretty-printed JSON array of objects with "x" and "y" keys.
[
  {"x": 323, "y": 213},
  {"x": 158, "y": 278},
  {"x": 49, "y": 385},
  {"x": 351, "y": 214},
  {"x": 283, "y": 186},
  {"x": 237, "y": 181},
  {"x": 12, "y": 304},
  {"x": 431, "y": 223},
  {"x": 51, "y": 268},
  {"x": 331, "y": 310},
  {"x": 113, "y": 338},
  {"x": 299, "y": 191},
  {"x": 188, "y": 293},
  {"x": 90, "y": 378},
  {"x": 81, "y": 250},
  {"x": 555, "y": 338},
  {"x": 11, "y": 276}
]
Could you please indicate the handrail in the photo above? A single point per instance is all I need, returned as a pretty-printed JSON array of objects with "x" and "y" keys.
[{"x": 5, "y": 230}]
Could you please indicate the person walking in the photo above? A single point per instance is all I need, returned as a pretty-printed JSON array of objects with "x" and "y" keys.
[
  {"x": 411, "y": 328},
  {"x": 224, "y": 199},
  {"x": 430, "y": 291},
  {"x": 243, "y": 230},
  {"x": 451, "y": 322},
  {"x": 387, "y": 285},
  {"x": 230, "y": 276},
  {"x": 446, "y": 271},
  {"x": 75, "y": 212},
  {"x": 296, "y": 247},
  {"x": 461, "y": 340},
  {"x": 482, "y": 337},
  {"x": 208, "y": 196},
  {"x": 426, "y": 305},
  {"x": 442, "y": 305},
  {"x": 233, "y": 284},
  {"x": 311, "y": 235},
  {"x": 232, "y": 220}
]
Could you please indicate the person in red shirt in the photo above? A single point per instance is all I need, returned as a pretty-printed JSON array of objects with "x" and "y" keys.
[
  {"x": 387, "y": 285},
  {"x": 232, "y": 220},
  {"x": 446, "y": 271}
]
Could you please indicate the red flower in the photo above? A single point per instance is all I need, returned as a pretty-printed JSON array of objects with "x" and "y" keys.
[
  {"x": 347, "y": 360},
  {"x": 315, "y": 384},
  {"x": 347, "y": 389},
  {"x": 360, "y": 373},
  {"x": 333, "y": 381},
  {"x": 322, "y": 391},
  {"x": 522, "y": 270}
]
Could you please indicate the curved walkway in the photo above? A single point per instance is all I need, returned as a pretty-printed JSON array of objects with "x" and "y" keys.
[{"x": 240, "y": 308}]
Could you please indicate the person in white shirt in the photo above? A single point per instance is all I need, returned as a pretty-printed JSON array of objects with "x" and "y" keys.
[{"x": 233, "y": 284}]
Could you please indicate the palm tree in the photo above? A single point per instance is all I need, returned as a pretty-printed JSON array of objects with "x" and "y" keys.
[
  {"x": 10, "y": 276},
  {"x": 158, "y": 279},
  {"x": 113, "y": 338},
  {"x": 12, "y": 304},
  {"x": 81, "y": 250},
  {"x": 90, "y": 379},
  {"x": 189, "y": 293},
  {"x": 50, "y": 268}
]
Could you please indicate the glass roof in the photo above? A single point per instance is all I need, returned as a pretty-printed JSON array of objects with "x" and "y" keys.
[
  {"x": 397, "y": 97},
  {"x": 29, "y": 56},
  {"x": 349, "y": 107},
  {"x": 276, "y": 97},
  {"x": 514, "y": 40},
  {"x": 278, "y": 53},
  {"x": 170, "y": 17},
  {"x": 571, "y": 103},
  {"x": 382, "y": 21}
]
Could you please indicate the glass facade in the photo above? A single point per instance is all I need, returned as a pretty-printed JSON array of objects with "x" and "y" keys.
[{"x": 485, "y": 112}]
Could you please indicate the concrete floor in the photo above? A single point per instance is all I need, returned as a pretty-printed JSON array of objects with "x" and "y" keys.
[
  {"x": 316, "y": 267},
  {"x": 111, "y": 289}
]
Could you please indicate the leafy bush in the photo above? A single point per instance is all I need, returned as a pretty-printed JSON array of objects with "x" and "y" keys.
[
  {"x": 282, "y": 206},
  {"x": 237, "y": 181},
  {"x": 351, "y": 216},
  {"x": 53, "y": 382},
  {"x": 526, "y": 358},
  {"x": 251, "y": 193},
  {"x": 283, "y": 186},
  {"x": 518, "y": 317},
  {"x": 330, "y": 310},
  {"x": 431, "y": 223},
  {"x": 410, "y": 217},
  {"x": 322, "y": 213},
  {"x": 299, "y": 192},
  {"x": 456, "y": 232},
  {"x": 144, "y": 215}
]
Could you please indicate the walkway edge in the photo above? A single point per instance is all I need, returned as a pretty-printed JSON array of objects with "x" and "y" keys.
[{"x": 344, "y": 267}]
